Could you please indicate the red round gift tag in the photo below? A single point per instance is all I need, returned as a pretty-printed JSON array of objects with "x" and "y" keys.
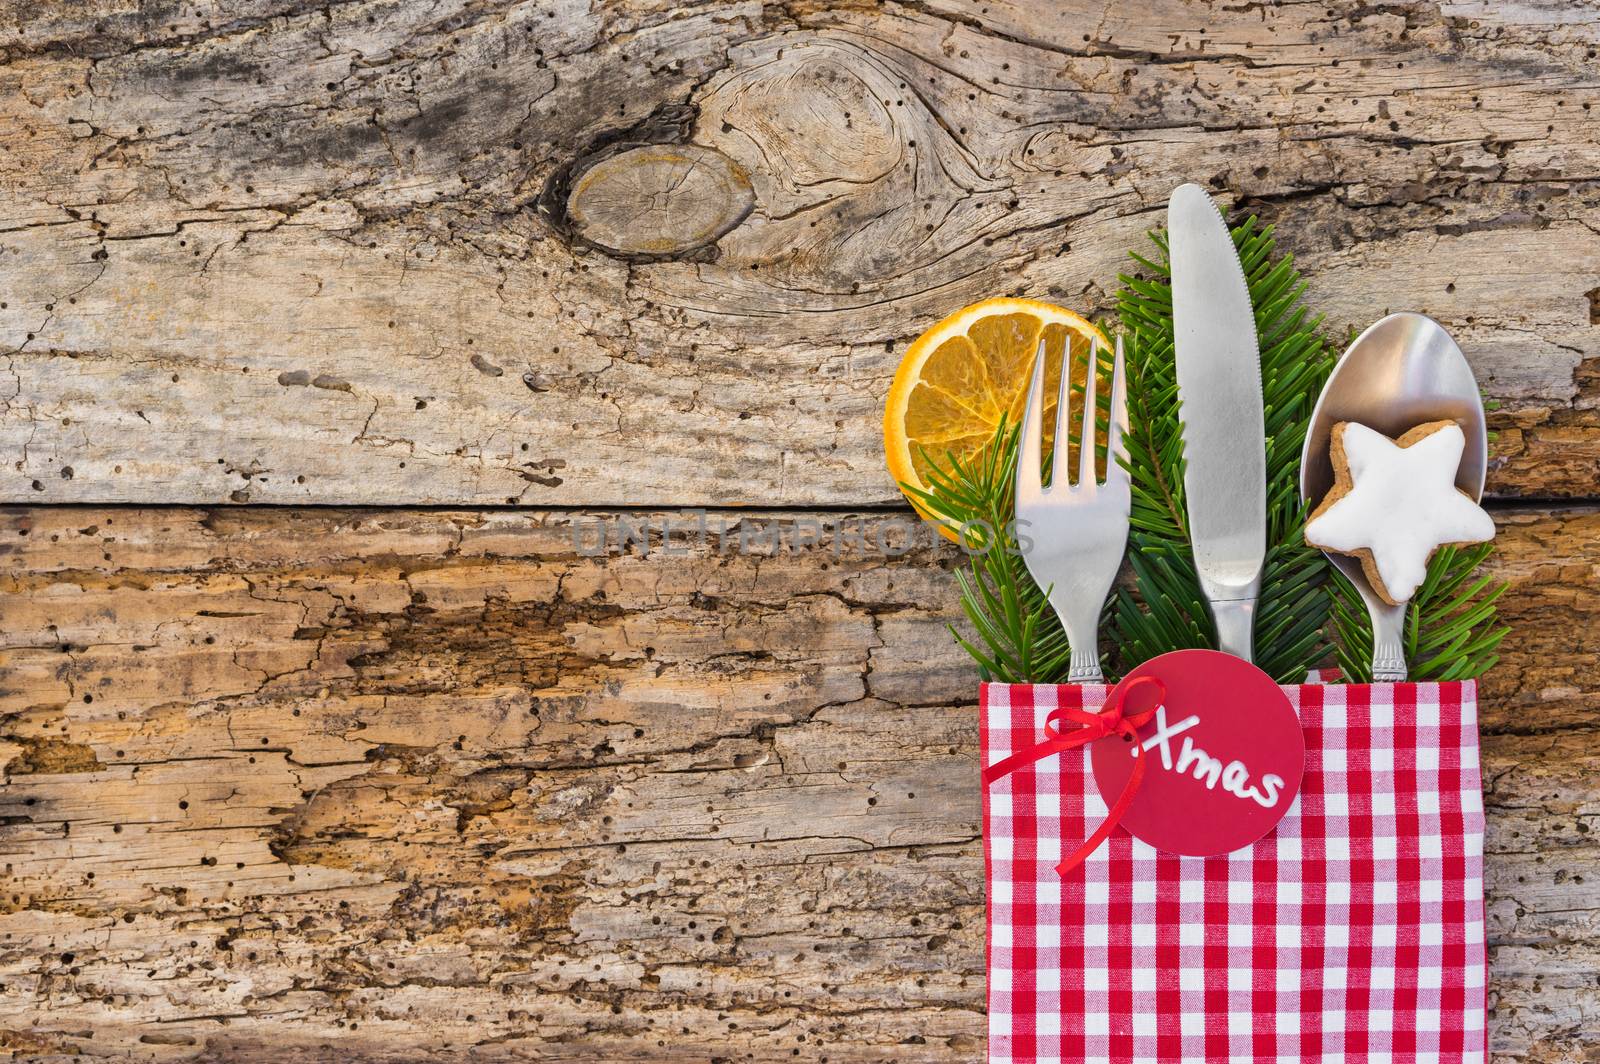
[{"x": 1224, "y": 754}]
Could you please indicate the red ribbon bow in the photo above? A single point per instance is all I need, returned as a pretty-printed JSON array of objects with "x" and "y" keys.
[{"x": 1110, "y": 720}]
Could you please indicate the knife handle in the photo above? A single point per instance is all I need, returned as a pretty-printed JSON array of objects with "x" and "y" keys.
[
  {"x": 1233, "y": 611},
  {"x": 1235, "y": 620}
]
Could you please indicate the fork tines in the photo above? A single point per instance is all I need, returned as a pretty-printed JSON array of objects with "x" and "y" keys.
[{"x": 1030, "y": 456}]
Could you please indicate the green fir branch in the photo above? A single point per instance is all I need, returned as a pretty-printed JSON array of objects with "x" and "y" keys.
[
  {"x": 1451, "y": 631},
  {"x": 1168, "y": 612},
  {"x": 1019, "y": 636},
  {"x": 1305, "y": 615}
]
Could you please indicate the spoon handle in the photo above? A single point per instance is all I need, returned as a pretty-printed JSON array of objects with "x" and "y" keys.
[{"x": 1388, "y": 646}]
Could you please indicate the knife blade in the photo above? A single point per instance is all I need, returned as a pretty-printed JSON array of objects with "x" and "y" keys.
[{"x": 1224, "y": 430}]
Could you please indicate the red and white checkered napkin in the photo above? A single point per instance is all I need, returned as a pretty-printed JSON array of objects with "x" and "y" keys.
[{"x": 1353, "y": 931}]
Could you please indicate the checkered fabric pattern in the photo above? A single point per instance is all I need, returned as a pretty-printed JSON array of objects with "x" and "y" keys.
[{"x": 1353, "y": 931}]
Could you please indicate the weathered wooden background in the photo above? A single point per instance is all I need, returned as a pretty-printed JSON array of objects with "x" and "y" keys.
[{"x": 388, "y": 769}]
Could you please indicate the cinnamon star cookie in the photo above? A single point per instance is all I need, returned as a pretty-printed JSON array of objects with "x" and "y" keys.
[{"x": 1395, "y": 502}]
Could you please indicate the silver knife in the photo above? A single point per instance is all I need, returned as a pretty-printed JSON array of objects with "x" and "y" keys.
[{"x": 1224, "y": 430}]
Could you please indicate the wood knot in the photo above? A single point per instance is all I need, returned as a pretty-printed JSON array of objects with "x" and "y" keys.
[{"x": 659, "y": 200}]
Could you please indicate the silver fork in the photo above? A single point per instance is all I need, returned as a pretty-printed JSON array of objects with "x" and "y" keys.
[{"x": 1078, "y": 530}]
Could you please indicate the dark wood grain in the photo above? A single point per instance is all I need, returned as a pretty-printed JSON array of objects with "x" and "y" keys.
[
  {"x": 285, "y": 252},
  {"x": 414, "y": 783}
]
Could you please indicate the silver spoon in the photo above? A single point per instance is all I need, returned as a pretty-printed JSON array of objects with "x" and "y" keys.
[{"x": 1402, "y": 372}]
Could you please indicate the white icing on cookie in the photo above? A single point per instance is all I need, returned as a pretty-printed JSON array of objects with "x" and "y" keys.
[{"x": 1403, "y": 505}]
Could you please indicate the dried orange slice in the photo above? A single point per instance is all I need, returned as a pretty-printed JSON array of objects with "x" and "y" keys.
[{"x": 960, "y": 377}]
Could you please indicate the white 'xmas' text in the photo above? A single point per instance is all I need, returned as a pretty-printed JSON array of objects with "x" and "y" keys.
[{"x": 1192, "y": 760}]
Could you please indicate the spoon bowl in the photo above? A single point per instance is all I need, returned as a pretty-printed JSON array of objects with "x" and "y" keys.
[{"x": 1405, "y": 370}]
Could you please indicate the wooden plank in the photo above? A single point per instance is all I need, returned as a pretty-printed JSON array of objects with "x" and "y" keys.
[
  {"x": 424, "y": 783},
  {"x": 324, "y": 255}
]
